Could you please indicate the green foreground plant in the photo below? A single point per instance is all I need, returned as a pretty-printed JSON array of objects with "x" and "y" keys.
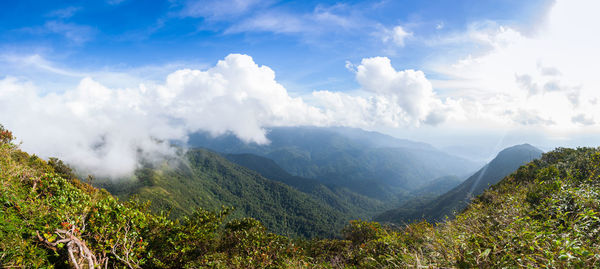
[{"x": 543, "y": 215}]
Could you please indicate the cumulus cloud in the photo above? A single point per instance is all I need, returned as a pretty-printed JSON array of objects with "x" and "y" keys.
[
  {"x": 235, "y": 96},
  {"x": 395, "y": 98},
  {"x": 108, "y": 130},
  {"x": 409, "y": 89},
  {"x": 99, "y": 130}
]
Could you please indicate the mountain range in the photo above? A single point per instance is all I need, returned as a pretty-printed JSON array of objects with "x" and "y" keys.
[
  {"x": 455, "y": 200},
  {"x": 204, "y": 179},
  {"x": 369, "y": 163},
  {"x": 544, "y": 213},
  {"x": 259, "y": 187}
]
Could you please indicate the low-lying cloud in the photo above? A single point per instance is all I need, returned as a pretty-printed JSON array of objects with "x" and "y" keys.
[{"x": 107, "y": 131}]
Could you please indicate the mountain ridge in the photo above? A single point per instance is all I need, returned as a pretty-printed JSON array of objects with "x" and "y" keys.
[
  {"x": 456, "y": 199},
  {"x": 545, "y": 213},
  {"x": 357, "y": 205},
  {"x": 205, "y": 179},
  {"x": 378, "y": 166}
]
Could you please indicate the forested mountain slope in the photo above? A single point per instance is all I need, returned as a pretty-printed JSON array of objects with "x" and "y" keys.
[
  {"x": 543, "y": 215},
  {"x": 205, "y": 179},
  {"x": 368, "y": 163},
  {"x": 506, "y": 162},
  {"x": 340, "y": 198}
]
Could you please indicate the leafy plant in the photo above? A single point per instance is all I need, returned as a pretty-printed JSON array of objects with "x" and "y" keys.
[{"x": 546, "y": 214}]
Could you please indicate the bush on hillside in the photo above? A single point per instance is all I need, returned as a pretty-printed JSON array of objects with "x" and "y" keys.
[{"x": 547, "y": 214}]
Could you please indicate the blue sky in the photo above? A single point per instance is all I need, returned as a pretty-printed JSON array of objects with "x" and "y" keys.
[
  {"x": 467, "y": 76},
  {"x": 308, "y": 54}
]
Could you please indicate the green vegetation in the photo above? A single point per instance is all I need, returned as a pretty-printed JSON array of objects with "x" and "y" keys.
[
  {"x": 341, "y": 199},
  {"x": 203, "y": 179},
  {"x": 368, "y": 163},
  {"x": 435, "y": 208},
  {"x": 546, "y": 214}
]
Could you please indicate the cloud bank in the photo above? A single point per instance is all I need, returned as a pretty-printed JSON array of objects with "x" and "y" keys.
[
  {"x": 394, "y": 98},
  {"x": 106, "y": 131},
  {"x": 545, "y": 79}
]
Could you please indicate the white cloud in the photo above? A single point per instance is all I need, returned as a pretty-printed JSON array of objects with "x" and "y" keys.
[
  {"x": 321, "y": 20},
  {"x": 409, "y": 89},
  {"x": 115, "y": 2},
  {"x": 395, "y": 98},
  {"x": 106, "y": 130},
  {"x": 397, "y": 35},
  {"x": 583, "y": 119},
  {"x": 64, "y": 13},
  {"x": 235, "y": 96},
  {"x": 218, "y": 9},
  {"x": 544, "y": 79},
  {"x": 350, "y": 67},
  {"x": 276, "y": 22},
  {"x": 91, "y": 126},
  {"x": 76, "y": 33}
]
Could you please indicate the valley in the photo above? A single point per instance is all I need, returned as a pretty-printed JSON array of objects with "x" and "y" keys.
[
  {"x": 245, "y": 134},
  {"x": 368, "y": 176},
  {"x": 499, "y": 220}
]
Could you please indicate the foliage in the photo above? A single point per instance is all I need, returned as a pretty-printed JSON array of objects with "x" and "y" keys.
[
  {"x": 6, "y": 136},
  {"x": 546, "y": 214},
  {"x": 438, "y": 208},
  {"x": 207, "y": 180},
  {"x": 368, "y": 163},
  {"x": 351, "y": 204}
]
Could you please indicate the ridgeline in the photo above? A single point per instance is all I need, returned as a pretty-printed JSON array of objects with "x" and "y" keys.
[{"x": 546, "y": 214}]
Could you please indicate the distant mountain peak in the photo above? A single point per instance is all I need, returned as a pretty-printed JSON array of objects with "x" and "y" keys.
[
  {"x": 524, "y": 146},
  {"x": 369, "y": 163},
  {"x": 522, "y": 150},
  {"x": 507, "y": 161}
]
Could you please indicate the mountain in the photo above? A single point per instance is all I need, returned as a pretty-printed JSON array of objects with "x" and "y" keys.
[
  {"x": 369, "y": 163},
  {"x": 506, "y": 162},
  {"x": 339, "y": 198},
  {"x": 204, "y": 179},
  {"x": 545, "y": 213},
  {"x": 438, "y": 186}
]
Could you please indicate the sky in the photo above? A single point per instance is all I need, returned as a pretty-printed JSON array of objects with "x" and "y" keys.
[{"x": 102, "y": 84}]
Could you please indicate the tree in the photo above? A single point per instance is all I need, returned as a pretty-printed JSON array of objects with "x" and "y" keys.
[{"x": 6, "y": 136}]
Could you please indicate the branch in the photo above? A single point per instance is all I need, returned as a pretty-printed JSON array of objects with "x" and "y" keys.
[{"x": 74, "y": 246}]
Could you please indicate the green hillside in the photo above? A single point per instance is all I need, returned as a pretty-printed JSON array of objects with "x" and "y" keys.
[
  {"x": 439, "y": 186},
  {"x": 437, "y": 208},
  {"x": 546, "y": 214},
  {"x": 204, "y": 179},
  {"x": 369, "y": 163},
  {"x": 340, "y": 198}
]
